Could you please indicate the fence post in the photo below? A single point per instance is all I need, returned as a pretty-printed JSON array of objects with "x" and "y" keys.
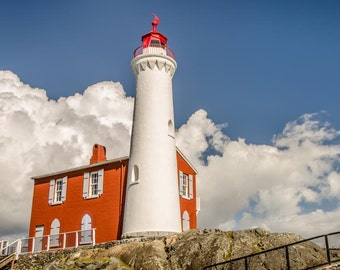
[
  {"x": 76, "y": 239},
  {"x": 3, "y": 247},
  {"x": 33, "y": 244},
  {"x": 93, "y": 237},
  {"x": 327, "y": 250},
  {"x": 287, "y": 257},
  {"x": 18, "y": 250},
  {"x": 64, "y": 241},
  {"x": 48, "y": 243},
  {"x": 246, "y": 263}
]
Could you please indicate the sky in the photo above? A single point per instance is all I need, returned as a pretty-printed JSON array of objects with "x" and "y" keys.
[{"x": 255, "y": 94}]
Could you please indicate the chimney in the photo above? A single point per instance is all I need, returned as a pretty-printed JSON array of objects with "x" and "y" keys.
[{"x": 98, "y": 154}]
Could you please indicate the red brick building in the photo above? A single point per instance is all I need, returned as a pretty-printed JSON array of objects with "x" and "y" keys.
[{"x": 93, "y": 196}]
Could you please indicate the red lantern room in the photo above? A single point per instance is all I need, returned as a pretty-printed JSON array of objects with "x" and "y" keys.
[{"x": 154, "y": 39}]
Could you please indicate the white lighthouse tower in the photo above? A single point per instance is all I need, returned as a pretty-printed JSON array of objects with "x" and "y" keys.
[{"x": 152, "y": 196}]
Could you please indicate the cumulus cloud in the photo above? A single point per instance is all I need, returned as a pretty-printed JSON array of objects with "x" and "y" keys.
[
  {"x": 283, "y": 186},
  {"x": 39, "y": 135},
  {"x": 291, "y": 185}
]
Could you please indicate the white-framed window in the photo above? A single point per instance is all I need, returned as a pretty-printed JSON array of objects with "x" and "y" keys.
[
  {"x": 186, "y": 188},
  {"x": 93, "y": 184},
  {"x": 57, "y": 191},
  {"x": 54, "y": 234},
  {"x": 86, "y": 230},
  {"x": 185, "y": 185},
  {"x": 185, "y": 221},
  {"x": 135, "y": 174},
  {"x": 171, "y": 130}
]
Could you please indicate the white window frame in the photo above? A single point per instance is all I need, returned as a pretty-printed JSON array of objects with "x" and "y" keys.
[
  {"x": 186, "y": 186},
  {"x": 54, "y": 233},
  {"x": 135, "y": 175},
  {"x": 57, "y": 191},
  {"x": 93, "y": 184},
  {"x": 86, "y": 230},
  {"x": 185, "y": 221}
]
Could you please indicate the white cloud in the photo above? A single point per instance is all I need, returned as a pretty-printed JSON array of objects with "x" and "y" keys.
[
  {"x": 284, "y": 186},
  {"x": 39, "y": 135},
  {"x": 334, "y": 184},
  {"x": 274, "y": 186},
  {"x": 200, "y": 134}
]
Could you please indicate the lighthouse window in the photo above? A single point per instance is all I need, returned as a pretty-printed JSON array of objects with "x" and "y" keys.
[
  {"x": 171, "y": 131},
  {"x": 135, "y": 174},
  {"x": 155, "y": 43},
  {"x": 93, "y": 184}
]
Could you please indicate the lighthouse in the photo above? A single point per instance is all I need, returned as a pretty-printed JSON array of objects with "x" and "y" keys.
[{"x": 152, "y": 196}]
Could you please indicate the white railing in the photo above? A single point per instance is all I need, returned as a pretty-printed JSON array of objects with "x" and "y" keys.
[
  {"x": 3, "y": 244},
  {"x": 154, "y": 49},
  {"x": 198, "y": 204},
  {"x": 65, "y": 240}
]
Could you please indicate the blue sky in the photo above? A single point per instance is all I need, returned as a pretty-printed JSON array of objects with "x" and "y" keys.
[
  {"x": 256, "y": 96},
  {"x": 252, "y": 64}
]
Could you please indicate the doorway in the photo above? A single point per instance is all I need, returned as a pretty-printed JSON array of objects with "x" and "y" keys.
[{"x": 39, "y": 236}]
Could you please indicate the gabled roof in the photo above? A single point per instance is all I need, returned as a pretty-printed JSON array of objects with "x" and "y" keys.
[
  {"x": 80, "y": 168},
  {"x": 102, "y": 163},
  {"x": 187, "y": 160}
]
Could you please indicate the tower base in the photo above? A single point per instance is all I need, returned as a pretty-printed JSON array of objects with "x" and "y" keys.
[{"x": 146, "y": 234}]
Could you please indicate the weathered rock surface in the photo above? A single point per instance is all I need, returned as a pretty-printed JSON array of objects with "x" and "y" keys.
[{"x": 188, "y": 250}]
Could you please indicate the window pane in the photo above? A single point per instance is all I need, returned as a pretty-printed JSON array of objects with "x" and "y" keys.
[
  {"x": 185, "y": 185},
  {"x": 58, "y": 190},
  {"x": 86, "y": 229},
  {"x": 54, "y": 234},
  {"x": 94, "y": 183}
]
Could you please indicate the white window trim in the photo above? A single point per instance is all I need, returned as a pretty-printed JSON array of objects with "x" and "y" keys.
[
  {"x": 52, "y": 196},
  {"x": 185, "y": 186},
  {"x": 58, "y": 183},
  {"x": 185, "y": 221},
  {"x": 134, "y": 175},
  {"x": 87, "y": 185},
  {"x": 55, "y": 233},
  {"x": 92, "y": 184},
  {"x": 86, "y": 230},
  {"x": 189, "y": 190}
]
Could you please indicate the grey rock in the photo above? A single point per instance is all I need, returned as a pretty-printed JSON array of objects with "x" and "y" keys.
[{"x": 190, "y": 250}]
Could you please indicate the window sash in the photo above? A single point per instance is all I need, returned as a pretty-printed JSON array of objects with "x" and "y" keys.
[
  {"x": 94, "y": 184},
  {"x": 186, "y": 185},
  {"x": 58, "y": 190}
]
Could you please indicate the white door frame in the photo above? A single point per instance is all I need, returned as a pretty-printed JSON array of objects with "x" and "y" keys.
[{"x": 38, "y": 241}]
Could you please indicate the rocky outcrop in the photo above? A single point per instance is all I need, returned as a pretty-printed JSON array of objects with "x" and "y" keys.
[{"x": 188, "y": 250}]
